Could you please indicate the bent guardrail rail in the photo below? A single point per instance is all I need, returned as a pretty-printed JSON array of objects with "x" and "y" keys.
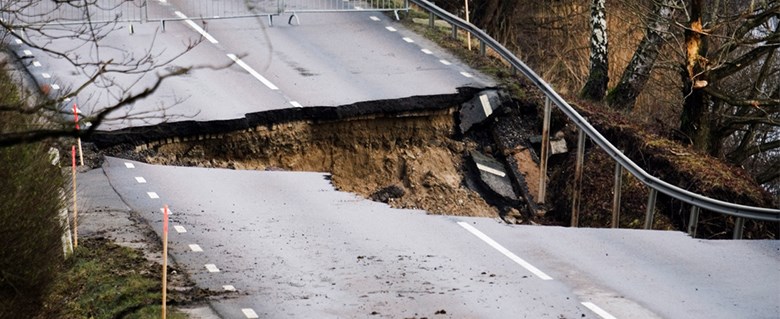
[{"x": 697, "y": 201}]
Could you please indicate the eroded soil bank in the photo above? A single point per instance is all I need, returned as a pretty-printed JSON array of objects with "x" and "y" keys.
[{"x": 409, "y": 160}]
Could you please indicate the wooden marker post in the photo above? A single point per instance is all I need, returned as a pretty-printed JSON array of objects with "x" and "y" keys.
[
  {"x": 76, "y": 119},
  {"x": 165, "y": 262},
  {"x": 468, "y": 34},
  {"x": 75, "y": 199}
]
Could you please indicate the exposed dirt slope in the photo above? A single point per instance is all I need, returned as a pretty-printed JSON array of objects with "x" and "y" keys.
[{"x": 413, "y": 152}]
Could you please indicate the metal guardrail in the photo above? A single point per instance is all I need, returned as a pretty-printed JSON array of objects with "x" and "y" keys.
[{"x": 697, "y": 201}]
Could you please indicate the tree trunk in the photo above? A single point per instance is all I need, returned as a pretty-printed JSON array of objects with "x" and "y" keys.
[
  {"x": 694, "y": 120},
  {"x": 596, "y": 86},
  {"x": 636, "y": 74}
]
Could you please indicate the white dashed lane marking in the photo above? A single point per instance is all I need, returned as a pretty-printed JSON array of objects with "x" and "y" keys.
[
  {"x": 197, "y": 27},
  {"x": 152, "y": 195},
  {"x": 36, "y": 64},
  {"x": 408, "y": 40},
  {"x": 46, "y": 75},
  {"x": 249, "y": 313},
  {"x": 140, "y": 180},
  {"x": 445, "y": 62},
  {"x": 18, "y": 41},
  {"x": 212, "y": 268},
  {"x": 505, "y": 251},
  {"x": 55, "y": 87},
  {"x": 180, "y": 229},
  {"x": 229, "y": 288},
  {"x": 295, "y": 104},
  {"x": 252, "y": 71},
  {"x": 196, "y": 248},
  {"x": 391, "y": 29},
  {"x": 601, "y": 312},
  {"x": 27, "y": 52},
  {"x": 375, "y": 18},
  {"x": 466, "y": 74},
  {"x": 426, "y": 51},
  {"x": 129, "y": 165}
]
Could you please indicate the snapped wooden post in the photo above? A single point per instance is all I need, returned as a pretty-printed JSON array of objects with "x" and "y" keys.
[
  {"x": 576, "y": 196},
  {"x": 616, "y": 195},
  {"x": 545, "y": 152}
]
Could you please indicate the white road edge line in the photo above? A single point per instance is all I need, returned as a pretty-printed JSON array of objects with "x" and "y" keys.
[
  {"x": 252, "y": 71},
  {"x": 249, "y": 313},
  {"x": 129, "y": 165},
  {"x": 490, "y": 170},
  {"x": 212, "y": 268},
  {"x": 196, "y": 27},
  {"x": 140, "y": 180},
  {"x": 601, "y": 312},
  {"x": 505, "y": 251},
  {"x": 196, "y": 248},
  {"x": 180, "y": 229},
  {"x": 152, "y": 195}
]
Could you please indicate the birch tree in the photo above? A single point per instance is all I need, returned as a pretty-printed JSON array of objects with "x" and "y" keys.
[
  {"x": 637, "y": 73},
  {"x": 596, "y": 86}
]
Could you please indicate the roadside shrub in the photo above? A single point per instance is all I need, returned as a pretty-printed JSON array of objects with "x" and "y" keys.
[{"x": 30, "y": 226}]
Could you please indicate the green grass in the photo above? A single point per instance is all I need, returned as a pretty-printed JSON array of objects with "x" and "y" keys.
[{"x": 104, "y": 280}]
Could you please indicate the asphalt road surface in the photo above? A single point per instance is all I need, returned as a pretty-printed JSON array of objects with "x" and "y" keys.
[
  {"x": 294, "y": 247},
  {"x": 244, "y": 66}
]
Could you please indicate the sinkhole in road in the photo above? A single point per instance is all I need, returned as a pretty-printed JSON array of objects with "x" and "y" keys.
[{"x": 409, "y": 160}]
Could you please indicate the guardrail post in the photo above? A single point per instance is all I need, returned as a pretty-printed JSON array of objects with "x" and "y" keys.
[
  {"x": 616, "y": 196},
  {"x": 650, "y": 214},
  {"x": 693, "y": 221},
  {"x": 431, "y": 19},
  {"x": 739, "y": 227},
  {"x": 545, "y": 152},
  {"x": 482, "y": 48},
  {"x": 454, "y": 31},
  {"x": 575, "y": 199}
]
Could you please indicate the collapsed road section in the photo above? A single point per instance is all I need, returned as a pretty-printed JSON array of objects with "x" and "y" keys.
[{"x": 467, "y": 154}]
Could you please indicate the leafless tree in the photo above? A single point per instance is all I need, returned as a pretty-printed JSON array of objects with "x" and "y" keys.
[{"x": 73, "y": 31}]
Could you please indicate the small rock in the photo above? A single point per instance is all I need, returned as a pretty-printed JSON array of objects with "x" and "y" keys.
[{"x": 386, "y": 193}]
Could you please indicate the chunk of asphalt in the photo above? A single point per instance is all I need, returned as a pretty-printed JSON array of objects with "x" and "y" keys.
[
  {"x": 479, "y": 109},
  {"x": 494, "y": 175}
]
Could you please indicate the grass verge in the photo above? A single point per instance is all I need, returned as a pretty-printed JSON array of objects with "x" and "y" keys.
[{"x": 105, "y": 280}]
